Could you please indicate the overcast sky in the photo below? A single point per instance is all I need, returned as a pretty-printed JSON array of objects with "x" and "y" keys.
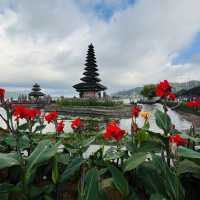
[{"x": 136, "y": 42}]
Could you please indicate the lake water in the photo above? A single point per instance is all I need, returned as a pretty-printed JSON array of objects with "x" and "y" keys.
[{"x": 177, "y": 119}]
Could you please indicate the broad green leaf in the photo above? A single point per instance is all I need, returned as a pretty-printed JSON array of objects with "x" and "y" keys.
[
  {"x": 112, "y": 154},
  {"x": 8, "y": 160},
  {"x": 71, "y": 169},
  {"x": 157, "y": 196},
  {"x": 163, "y": 121},
  {"x": 134, "y": 161},
  {"x": 187, "y": 166},
  {"x": 24, "y": 142},
  {"x": 44, "y": 151},
  {"x": 23, "y": 127},
  {"x": 150, "y": 146},
  {"x": 10, "y": 140},
  {"x": 91, "y": 185},
  {"x": 7, "y": 187},
  {"x": 188, "y": 153},
  {"x": 55, "y": 171},
  {"x": 87, "y": 142},
  {"x": 119, "y": 180}
]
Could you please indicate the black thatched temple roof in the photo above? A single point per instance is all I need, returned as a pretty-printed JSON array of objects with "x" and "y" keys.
[
  {"x": 36, "y": 91},
  {"x": 90, "y": 80}
]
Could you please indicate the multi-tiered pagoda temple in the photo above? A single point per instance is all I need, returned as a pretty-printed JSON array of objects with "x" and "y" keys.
[
  {"x": 36, "y": 92},
  {"x": 90, "y": 85}
]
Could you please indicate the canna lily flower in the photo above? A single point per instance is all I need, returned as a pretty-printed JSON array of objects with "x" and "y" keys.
[
  {"x": 60, "y": 127},
  {"x": 193, "y": 104},
  {"x": 21, "y": 112},
  {"x": 177, "y": 139},
  {"x": 51, "y": 117},
  {"x": 145, "y": 115},
  {"x": 136, "y": 110},
  {"x": 113, "y": 131},
  {"x": 2, "y": 93},
  {"x": 163, "y": 90},
  {"x": 77, "y": 123}
]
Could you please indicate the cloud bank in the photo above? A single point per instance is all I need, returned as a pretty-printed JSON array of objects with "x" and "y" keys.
[{"x": 46, "y": 42}]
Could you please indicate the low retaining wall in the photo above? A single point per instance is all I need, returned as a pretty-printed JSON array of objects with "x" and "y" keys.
[{"x": 122, "y": 111}]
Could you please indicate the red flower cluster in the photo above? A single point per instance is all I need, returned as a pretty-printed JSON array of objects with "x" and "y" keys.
[
  {"x": 2, "y": 93},
  {"x": 177, "y": 139},
  {"x": 21, "y": 112},
  {"x": 172, "y": 96},
  {"x": 193, "y": 104},
  {"x": 51, "y": 117},
  {"x": 163, "y": 89},
  {"x": 113, "y": 131},
  {"x": 60, "y": 127},
  {"x": 77, "y": 123},
  {"x": 136, "y": 110}
]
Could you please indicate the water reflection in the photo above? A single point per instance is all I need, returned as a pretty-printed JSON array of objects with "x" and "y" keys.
[{"x": 177, "y": 119}]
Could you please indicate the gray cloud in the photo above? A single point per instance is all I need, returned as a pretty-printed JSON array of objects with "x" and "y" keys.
[{"x": 46, "y": 42}]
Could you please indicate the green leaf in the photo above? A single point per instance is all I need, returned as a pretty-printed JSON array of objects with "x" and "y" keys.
[
  {"x": 119, "y": 180},
  {"x": 112, "y": 154},
  {"x": 146, "y": 125},
  {"x": 10, "y": 140},
  {"x": 187, "y": 166},
  {"x": 91, "y": 185},
  {"x": 134, "y": 161},
  {"x": 71, "y": 169},
  {"x": 187, "y": 153},
  {"x": 87, "y": 142},
  {"x": 44, "y": 151},
  {"x": 39, "y": 128},
  {"x": 7, "y": 187},
  {"x": 23, "y": 127},
  {"x": 24, "y": 142},
  {"x": 157, "y": 196},
  {"x": 8, "y": 160},
  {"x": 163, "y": 121},
  {"x": 55, "y": 171}
]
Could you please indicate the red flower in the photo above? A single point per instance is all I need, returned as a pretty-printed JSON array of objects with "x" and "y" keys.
[
  {"x": 136, "y": 111},
  {"x": 163, "y": 89},
  {"x": 22, "y": 112},
  {"x": 51, "y": 117},
  {"x": 2, "y": 93},
  {"x": 31, "y": 114},
  {"x": 193, "y": 104},
  {"x": 113, "y": 131},
  {"x": 177, "y": 139},
  {"x": 60, "y": 127},
  {"x": 172, "y": 96},
  {"x": 77, "y": 123}
]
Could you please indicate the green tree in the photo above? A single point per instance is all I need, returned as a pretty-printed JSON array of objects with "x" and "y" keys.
[{"x": 148, "y": 91}]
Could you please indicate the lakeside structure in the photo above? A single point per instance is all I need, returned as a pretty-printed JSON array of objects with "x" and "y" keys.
[
  {"x": 36, "y": 92},
  {"x": 90, "y": 86}
]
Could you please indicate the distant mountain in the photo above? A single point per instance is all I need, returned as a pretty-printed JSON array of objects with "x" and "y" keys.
[
  {"x": 185, "y": 85},
  {"x": 128, "y": 93},
  {"x": 177, "y": 87},
  {"x": 195, "y": 91}
]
